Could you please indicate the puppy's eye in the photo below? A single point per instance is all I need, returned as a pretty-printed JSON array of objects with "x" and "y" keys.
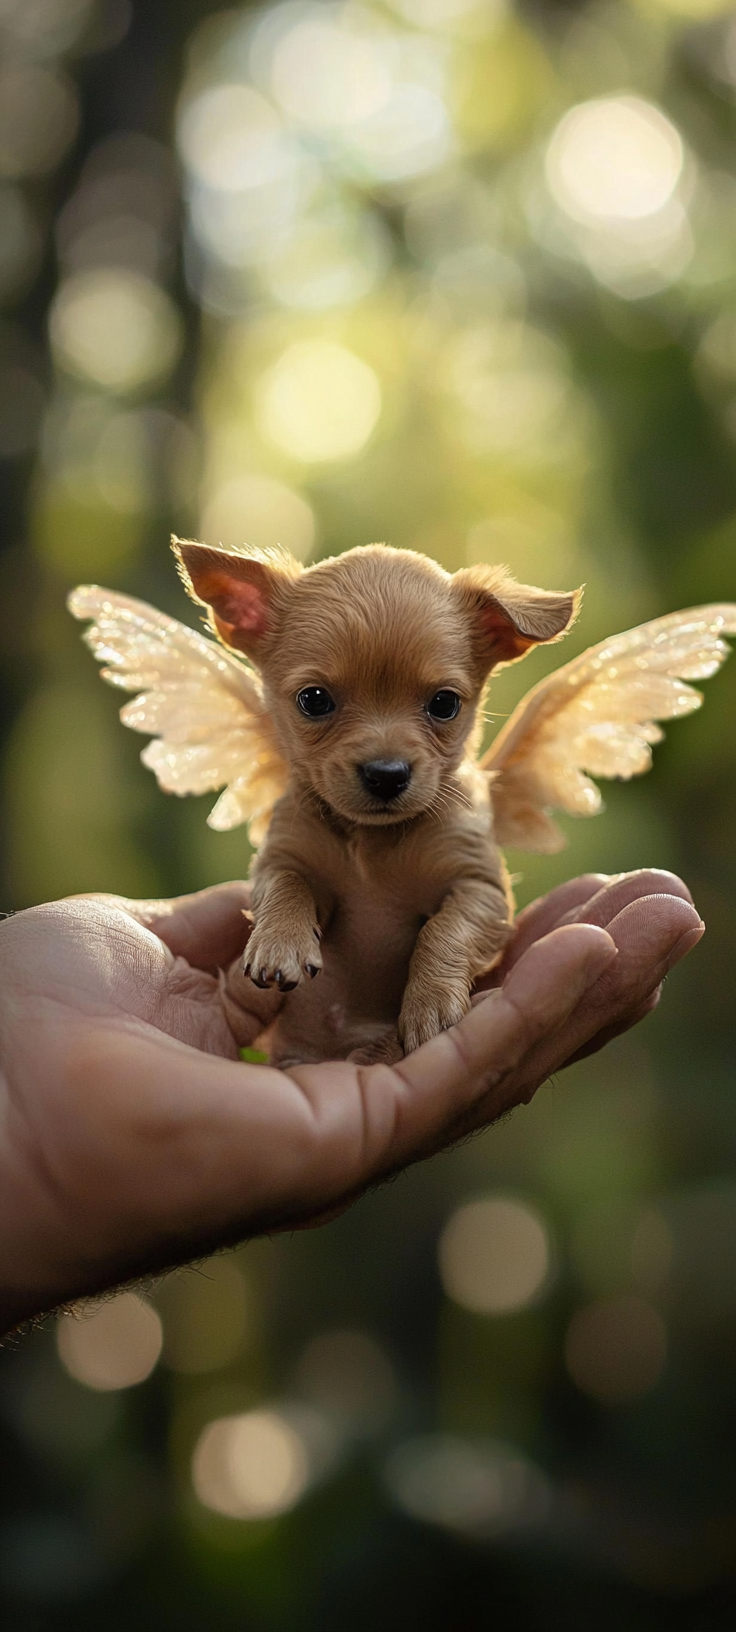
[
  {"x": 445, "y": 705},
  {"x": 315, "y": 702}
]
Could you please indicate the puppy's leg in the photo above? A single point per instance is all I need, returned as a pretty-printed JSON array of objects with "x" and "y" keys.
[
  {"x": 284, "y": 945},
  {"x": 463, "y": 940}
]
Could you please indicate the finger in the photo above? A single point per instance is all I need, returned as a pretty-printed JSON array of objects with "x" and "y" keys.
[
  {"x": 619, "y": 892},
  {"x": 539, "y": 995},
  {"x": 249, "y": 1009},
  {"x": 545, "y": 913},
  {"x": 592, "y": 899},
  {"x": 570, "y": 903},
  {"x": 221, "y": 1150},
  {"x": 207, "y": 928},
  {"x": 651, "y": 934},
  {"x": 625, "y": 1023},
  {"x": 538, "y": 919}
]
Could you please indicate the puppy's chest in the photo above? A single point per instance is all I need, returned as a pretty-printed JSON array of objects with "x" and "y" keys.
[{"x": 373, "y": 875}]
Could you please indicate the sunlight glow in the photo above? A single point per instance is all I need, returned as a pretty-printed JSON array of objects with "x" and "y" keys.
[
  {"x": 319, "y": 402},
  {"x": 407, "y": 137},
  {"x": 613, "y": 167},
  {"x": 332, "y": 257},
  {"x": 447, "y": 14},
  {"x": 327, "y": 76},
  {"x": 115, "y": 328},
  {"x": 257, "y": 510},
  {"x": 614, "y": 158},
  {"x": 231, "y": 138}
]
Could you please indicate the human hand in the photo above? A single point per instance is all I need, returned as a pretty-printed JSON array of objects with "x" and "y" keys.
[{"x": 132, "y": 1138}]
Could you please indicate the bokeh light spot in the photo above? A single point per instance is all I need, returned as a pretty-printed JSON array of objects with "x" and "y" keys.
[
  {"x": 494, "y": 1256},
  {"x": 480, "y": 1488},
  {"x": 616, "y": 157},
  {"x": 319, "y": 402},
  {"x": 231, "y": 138},
  {"x": 408, "y": 137},
  {"x": 38, "y": 119},
  {"x": 326, "y": 76},
  {"x": 115, "y": 328},
  {"x": 347, "y": 1375},
  {"x": 616, "y": 1349},
  {"x": 255, "y": 509},
  {"x": 251, "y": 1466},
  {"x": 44, "y": 28},
  {"x": 114, "y": 1346},
  {"x": 121, "y": 213},
  {"x": 447, "y": 14},
  {"x": 332, "y": 258}
]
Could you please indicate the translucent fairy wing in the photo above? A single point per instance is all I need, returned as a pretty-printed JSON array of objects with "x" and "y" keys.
[
  {"x": 202, "y": 707},
  {"x": 597, "y": 717}
]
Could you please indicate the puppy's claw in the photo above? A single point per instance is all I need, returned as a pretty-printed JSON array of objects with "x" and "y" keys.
[{"x": 279, "y": 963}]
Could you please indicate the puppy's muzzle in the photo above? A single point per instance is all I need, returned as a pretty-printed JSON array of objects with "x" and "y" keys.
[{"x": 385, "y": 778}]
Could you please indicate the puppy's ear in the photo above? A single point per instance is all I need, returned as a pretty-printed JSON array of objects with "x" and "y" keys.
[
  {"x": 244, "y": 593},
  {"x": 509, "y": 618}
]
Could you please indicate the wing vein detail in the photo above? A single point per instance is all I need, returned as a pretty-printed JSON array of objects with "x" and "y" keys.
[
  {"x": 597, "y": 717},
  {"x": 203, "y": 707}
]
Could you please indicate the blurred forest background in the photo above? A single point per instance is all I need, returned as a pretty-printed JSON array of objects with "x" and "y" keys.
[{"x": 463, "y": 278}]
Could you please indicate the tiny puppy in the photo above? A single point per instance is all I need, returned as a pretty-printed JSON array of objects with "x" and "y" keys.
[
  {"x": 379, "y": 895},
  {"x": 338, "y": 711}
]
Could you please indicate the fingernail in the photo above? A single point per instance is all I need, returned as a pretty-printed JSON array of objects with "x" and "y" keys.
[{"x": 599, "y": 961}]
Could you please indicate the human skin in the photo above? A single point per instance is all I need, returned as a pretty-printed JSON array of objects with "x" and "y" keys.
[{"x": 132, "y": 1138}]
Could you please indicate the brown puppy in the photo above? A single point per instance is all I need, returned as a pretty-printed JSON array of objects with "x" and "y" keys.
[
  {"x": 379, "y": 894},
  {"x": 351, "y": 755}
]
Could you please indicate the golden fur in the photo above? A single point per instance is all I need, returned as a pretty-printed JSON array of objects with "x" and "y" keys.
[
  {"x": 375, "y": 916},
  {"x": 399, "y": 900}
]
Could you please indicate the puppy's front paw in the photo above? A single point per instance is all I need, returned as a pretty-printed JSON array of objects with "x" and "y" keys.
[
  {"x": 281, "y": 960},
  {"x": 427, "y": 1010}
]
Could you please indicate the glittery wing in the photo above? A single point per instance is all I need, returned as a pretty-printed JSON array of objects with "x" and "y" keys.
[
  {"x": 596, "y": 717},
  {"x": 203, "y": 708}
]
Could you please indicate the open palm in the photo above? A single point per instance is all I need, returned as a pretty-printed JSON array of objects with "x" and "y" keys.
[{"x": 133, "y": 1138}]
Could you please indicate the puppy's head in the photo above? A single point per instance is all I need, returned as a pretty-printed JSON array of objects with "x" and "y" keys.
[{"x": 373, "y": 663}]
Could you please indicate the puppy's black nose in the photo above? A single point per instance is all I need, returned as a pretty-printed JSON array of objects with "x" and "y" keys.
[{"x": 385, "y": 778}]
